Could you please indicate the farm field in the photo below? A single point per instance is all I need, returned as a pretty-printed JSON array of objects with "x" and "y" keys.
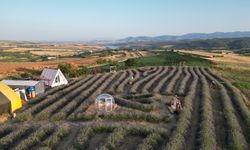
[
  {"x": 17, "y": 65},
  {"x": 225, "y": 57},
  {"x": 65, "y": 117},
  {"x": 13, "y": 68}
]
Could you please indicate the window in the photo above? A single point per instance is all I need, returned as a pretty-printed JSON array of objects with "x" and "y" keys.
[{"x": 57, "y": 79}]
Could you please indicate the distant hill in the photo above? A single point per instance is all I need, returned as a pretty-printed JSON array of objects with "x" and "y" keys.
[
  {"x": 190, "y": 36},
  {"x": 210, "y": 44},
  {"x": 207, "y": 44}
]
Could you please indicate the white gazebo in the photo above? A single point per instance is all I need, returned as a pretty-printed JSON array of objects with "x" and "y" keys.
[{"x": 104, "y": 103}]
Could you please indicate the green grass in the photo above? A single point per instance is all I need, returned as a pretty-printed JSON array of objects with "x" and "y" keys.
[
  {"x": 237, "y": 74},
  {"x": 172, "y": 58},
  {"x": 18, "y": 57}
]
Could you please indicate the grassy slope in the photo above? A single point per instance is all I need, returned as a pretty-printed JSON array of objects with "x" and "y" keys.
[
  {"x": 238, "y": 74},
  {"x": 172, "y": 58}
]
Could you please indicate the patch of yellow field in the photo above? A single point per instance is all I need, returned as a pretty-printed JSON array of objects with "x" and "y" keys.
[
  {"x": 53, "y": 53},
  {"x": 225, "y": 56}
]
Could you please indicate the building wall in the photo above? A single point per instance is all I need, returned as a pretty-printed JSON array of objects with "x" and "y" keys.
[{"x": 40, "y": 88}]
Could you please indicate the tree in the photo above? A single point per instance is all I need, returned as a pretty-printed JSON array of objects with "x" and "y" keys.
[
  {"x": 130, "y": 62},
  {"x": 68, "y": 70}
]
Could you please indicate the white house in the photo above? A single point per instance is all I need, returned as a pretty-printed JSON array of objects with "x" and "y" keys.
[{"x": 53, "y": 77}]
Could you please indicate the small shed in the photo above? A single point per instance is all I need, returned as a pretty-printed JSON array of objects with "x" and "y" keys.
[
  {"x": 53, "y": 77},
  {"x": 38, "y": 86}
]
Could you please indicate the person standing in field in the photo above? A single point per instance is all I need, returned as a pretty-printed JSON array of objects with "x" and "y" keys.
[
  {"x": 213, "y": 84},
  {"x": 131, "y": 78}
]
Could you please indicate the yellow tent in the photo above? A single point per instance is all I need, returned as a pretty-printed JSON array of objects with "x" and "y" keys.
[{"x": 9, "y": 100}]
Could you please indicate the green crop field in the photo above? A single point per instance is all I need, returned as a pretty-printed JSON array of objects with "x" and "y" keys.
[{"x": 172, "y": 58}]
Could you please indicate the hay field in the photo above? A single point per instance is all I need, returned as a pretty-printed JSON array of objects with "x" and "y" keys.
[{"x": 226, "y": 56}]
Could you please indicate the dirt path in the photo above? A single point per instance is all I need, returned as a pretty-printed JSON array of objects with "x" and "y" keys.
[
  {"x": 152, "y": 87},
  {"x": 97, "y": 140},
  {"x": 21, "y": 138},
  {"x": 142, "y": 85},
  {"x": 177, "y": 83},
  {"x": 130, "y": 143},
  {"x": 112, "y": 82},
  {"x": 129, "y": 86},
  {"x": 193, "y": 132},
  {"x": 70, "y": 139},
  {"x": 219, "y": 119},
  {"x": 116, "y": 84},
  {"x": 164, "y": 86}
]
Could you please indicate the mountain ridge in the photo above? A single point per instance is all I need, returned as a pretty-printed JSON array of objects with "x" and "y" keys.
[{"x": 189, "y": 36}]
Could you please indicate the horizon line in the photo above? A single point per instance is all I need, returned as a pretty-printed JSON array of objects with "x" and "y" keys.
[{"x": 115, "y": 39}]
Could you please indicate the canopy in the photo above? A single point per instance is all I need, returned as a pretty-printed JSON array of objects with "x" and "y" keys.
[{"x": 9, "y": 100}]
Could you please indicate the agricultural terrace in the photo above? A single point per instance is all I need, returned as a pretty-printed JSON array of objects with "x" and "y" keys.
[{"x": 65, "y": 117}]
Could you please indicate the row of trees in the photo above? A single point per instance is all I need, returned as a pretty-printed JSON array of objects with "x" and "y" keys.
[{"x": 72, "y": 71}]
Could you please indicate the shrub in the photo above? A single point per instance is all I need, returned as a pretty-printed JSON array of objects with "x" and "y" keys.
[
  {"x": 139, "y": 96},
  {"x": 207, "y": 132},
  {"x": 67, "y": 99},
  {"x": 136, "y": 116},
  {"x": 130, "y": 62},
  {"x": 80, "y": 98},
  {"x": 6, "y": 141},
  {"x": 237, "y": 99},
  {"x": 122, "y": 77},
  {"x": 121, "y": 86},
  {"x": 135, "y": 105},
  {"x": 92, "y": 93},
  {"x": 159, "y": 86},
  {"x": 183, "y": 84},
  {"x": 58, "y": 136},
  {"x": 82, "y": 138},
  {"x": 115, "y": 138},
  {"x": 140, "y": 131},
  {"x": 100, "y": 127},
  {"x": 35, "y": 138},
  {"x": 25, "y": 116},
  {"x": 173, "y": 81},
  {"x": 136, "y": 74},
  {"x": 44, "y": 148},
  {"x": 236, "y": 137},
  {"x": 151, "y": 142},
  {"x": 150, "y": 83},
  {"x": 83, "y": 117},
  {"x": 28, "y": 113},
  {"x": 68, "y": 70},
  {"x": 177, "y": 140},
  {"x": 137, "y": 85}
]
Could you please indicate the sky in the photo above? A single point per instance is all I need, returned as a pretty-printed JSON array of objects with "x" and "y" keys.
[{"x": 83, "y": 20}]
